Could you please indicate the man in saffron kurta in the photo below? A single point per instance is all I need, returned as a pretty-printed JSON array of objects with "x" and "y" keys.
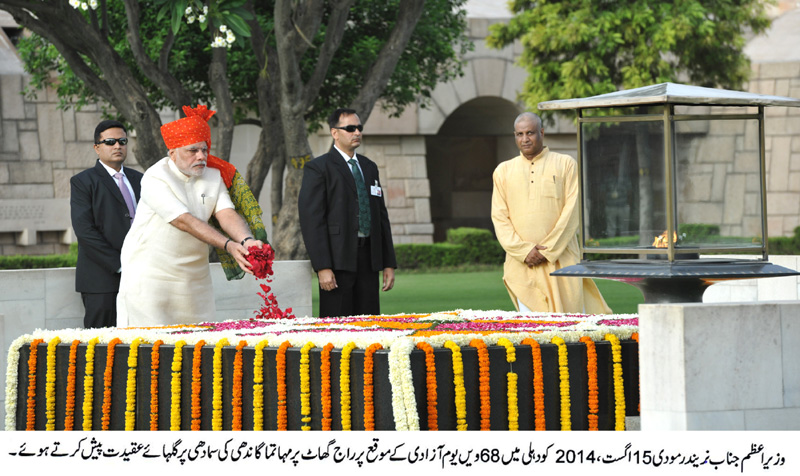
[
  {"x": 166, "y": 278},
  {"x": 535, "y": 215}
]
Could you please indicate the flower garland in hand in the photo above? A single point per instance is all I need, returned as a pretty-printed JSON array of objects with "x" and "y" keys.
[{"x": 261, "y": 260}]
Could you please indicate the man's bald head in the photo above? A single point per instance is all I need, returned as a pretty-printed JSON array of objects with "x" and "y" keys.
[{"x": 529, "y": 116}]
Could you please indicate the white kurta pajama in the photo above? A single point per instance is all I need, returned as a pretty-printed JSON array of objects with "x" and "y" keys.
[
  {"x": 535, "y": 202},
  {"x": 165, "y": 273}
]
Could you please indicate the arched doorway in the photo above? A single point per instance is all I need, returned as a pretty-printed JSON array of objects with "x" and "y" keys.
[{"x": 461, "y": 158}]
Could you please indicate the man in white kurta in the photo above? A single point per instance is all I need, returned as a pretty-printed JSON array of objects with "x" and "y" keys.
[
  {"x": 166, "y": 278},
  {"x": 166, "y": 272},
  {"x": 535, "y": 215}
]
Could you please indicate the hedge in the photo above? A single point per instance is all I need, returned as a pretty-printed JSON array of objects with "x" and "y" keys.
[
  {"x": 464, "y": 246},
  {"x": 43, "y": 261}
]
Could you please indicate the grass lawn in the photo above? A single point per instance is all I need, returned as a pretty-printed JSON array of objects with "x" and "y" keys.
[{"x": 430, "y": 292}]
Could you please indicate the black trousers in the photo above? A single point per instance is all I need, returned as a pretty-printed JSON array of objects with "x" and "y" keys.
[
  {"x": 101, "y": 309},
  {"x": 357, "y": 292}
]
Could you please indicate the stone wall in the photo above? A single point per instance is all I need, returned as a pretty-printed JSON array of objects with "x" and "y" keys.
[
  {"x": 782, "y": 144},
  {"x": 41, "y": 147}
]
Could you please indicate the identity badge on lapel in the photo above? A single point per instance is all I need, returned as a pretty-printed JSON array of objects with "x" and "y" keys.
[{"x": 375, "y": 190}]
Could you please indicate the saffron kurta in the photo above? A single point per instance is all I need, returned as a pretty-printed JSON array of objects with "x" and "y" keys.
[
  {"x": 165, "y": 273},
  {"x": 536, "y": 202}
]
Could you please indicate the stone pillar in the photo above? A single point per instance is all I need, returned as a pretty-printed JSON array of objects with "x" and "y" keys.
[{"x": 720, "y": 367}]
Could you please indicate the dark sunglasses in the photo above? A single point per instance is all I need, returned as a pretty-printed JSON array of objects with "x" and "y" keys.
[
  {"x": 111, "y": 142},
  {"x": 351, "y": 128}
]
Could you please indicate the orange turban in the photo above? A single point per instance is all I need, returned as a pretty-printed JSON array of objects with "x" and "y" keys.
[
  {"x": 193, "y": 129},
  {"x": 190, "y": 129}
]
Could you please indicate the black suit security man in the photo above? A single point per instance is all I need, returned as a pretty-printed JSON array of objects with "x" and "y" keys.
[
  {"x": 103, "y": 204},
  {"x": 345, "y": 224}
]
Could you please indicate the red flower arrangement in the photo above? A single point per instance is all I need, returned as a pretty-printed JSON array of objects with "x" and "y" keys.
[{"x": 261, "y": 260}]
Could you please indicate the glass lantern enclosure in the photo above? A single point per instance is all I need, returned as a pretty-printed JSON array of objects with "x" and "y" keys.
[
  {"x": 672, "y": 175},
  {"x": 672, "y": 181}
]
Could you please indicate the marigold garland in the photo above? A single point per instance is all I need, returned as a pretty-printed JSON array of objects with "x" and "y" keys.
[
  {"x": 619, "y": 385},
  {"x": 563, "y": 374},
  {"x": 216, "y": 399},
  {"x": 591, "y": 369},
  {"x": 130, "y": 386},
  {"x": 344, "y": 385},
  {"x": 107, "y": 376},
  {"x": 369, "y": 389},
  {"x": 236, "y": 405},
  {"x": 325, "y": 391},
  {"x": 175, "y": 387},
  {"x": 88, "y": 385},
  {"x": 458, "y": 380},
  {"x": 484, "y": 386},
  {"x": 31, "y": 413},
  {"x": 155, "y": 358},
  {"x": 69, "y": 413},
  {"x": 258, "y": 386},
  {"x": 197, "y": 384},
  {"x": 511, "y": 376},
  {"x": 280, "y": 364},
  {"x": 305, "y": 387},
  {"x": 50, "y": 385},
  {"x": 539, "y": 421},
  {"x": 430, "y": 385}
]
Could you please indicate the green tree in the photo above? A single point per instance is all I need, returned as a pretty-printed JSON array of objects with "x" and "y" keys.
[
  {"x": 290, "y": 63},
  {"x": 581, "y": 48}
]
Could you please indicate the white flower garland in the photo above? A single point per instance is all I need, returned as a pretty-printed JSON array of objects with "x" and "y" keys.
[{"x": 404, "y": 403}]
